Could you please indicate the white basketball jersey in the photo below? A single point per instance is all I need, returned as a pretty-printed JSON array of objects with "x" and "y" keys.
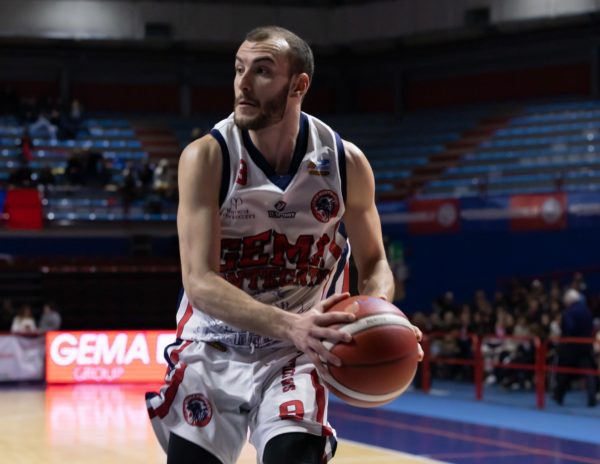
[{"x": 282, "y": 240}]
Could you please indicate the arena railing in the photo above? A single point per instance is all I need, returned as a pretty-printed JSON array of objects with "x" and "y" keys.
[{"x": 482, "y": 360}]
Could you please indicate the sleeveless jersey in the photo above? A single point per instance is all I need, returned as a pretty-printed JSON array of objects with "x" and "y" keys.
[{"x": 282, "y": 239}]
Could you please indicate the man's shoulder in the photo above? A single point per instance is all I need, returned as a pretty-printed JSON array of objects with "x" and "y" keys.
[{"x": 206, "y": 146}]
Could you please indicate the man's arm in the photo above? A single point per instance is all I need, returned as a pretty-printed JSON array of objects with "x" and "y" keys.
[
  {"x": 362, "y": 222},
  {"x": 198, "y": 226},
  {"x": 363, "y": 225}
]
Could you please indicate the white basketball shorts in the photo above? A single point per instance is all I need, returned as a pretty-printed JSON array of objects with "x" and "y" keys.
[{"x": 215, "y": 394}]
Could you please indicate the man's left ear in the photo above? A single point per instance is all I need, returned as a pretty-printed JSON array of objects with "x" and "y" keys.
[{"x": 301, "y": 85}]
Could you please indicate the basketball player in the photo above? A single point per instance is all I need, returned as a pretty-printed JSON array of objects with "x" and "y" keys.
[{"x": 267, "y": 202}]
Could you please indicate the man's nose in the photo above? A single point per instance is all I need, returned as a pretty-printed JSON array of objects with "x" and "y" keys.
[{"x": 244, "y": 82}]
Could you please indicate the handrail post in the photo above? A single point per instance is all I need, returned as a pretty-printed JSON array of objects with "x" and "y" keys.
[
  {"x": 478, "y": 367},
  {"x": 540, "y": 371},
  {"x": 426, "y": 365}
]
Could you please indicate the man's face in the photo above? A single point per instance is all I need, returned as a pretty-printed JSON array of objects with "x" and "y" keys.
[{"x": 262, "y": 83}]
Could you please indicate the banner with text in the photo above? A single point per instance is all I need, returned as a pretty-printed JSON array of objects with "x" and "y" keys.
[{"x": 107, "y": 356}]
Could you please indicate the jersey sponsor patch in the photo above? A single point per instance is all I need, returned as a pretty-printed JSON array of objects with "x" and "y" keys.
[
  {"x": 325, "y": 205},
  {"x": 320, "y": 168},
  {"x": 197, "y": 410},
  {"x": 236, "y": 210},
  {"x": 279, "y": 211}
]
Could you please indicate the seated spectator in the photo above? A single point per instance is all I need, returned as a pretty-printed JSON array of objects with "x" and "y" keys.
[
  {"x": 162, "y": 177},
  {"x": 25, "y": 144},
  {"x": 42, "y": 127},
  {"x": 45, "y": 176},
  {"x": 23, "y": 321},
  {"x": 7, "y": 313},
  {"x": 92, "y": 163},
  {"x": 196, "y": 133},
  {"x": 69, "y": 120},
  {"x": 105, "y": 175},
  {"x": 20, "y": 177},
  {"x": 75, "y": 168},
  {"x": 146, "y": 176},
  {"x": 50, "y": 318},
  {"x": 76, "y": 113}
]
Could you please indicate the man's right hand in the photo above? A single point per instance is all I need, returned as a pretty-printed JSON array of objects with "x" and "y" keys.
[{"x": 316, "y": 325}]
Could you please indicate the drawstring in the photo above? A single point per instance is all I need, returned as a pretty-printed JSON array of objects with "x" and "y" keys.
[{"x": 252, "y": 347}]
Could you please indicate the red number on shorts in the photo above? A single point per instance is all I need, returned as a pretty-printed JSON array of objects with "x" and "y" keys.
[{"x": 291, "y": 410}]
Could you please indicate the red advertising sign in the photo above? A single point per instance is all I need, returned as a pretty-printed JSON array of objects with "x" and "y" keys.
[
  {"x": 106, "y": 357},
  {"x": 538, "y": 212},
  {"x": 433, "y": 216}
]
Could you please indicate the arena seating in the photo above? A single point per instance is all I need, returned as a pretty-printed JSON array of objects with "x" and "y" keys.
[
  {"x": 457, "y": 152},
  {"x": 118, "y": 142},
  {"x": 545, "y": 148}
]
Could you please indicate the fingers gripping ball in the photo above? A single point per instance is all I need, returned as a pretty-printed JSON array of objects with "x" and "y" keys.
[{"x": 380, "y": 362}]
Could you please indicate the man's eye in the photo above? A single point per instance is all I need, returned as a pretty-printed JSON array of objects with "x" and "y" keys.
[{"x": 239, "y": 70}]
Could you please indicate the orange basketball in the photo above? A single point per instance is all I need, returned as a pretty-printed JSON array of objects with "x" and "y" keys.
[{"x": 380, "y": 362}]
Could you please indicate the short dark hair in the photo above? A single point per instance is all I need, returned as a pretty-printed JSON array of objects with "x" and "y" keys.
[{"x": 301, "y": 55}]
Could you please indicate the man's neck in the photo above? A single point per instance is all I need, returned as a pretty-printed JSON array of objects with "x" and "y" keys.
[{"x": 277, "y": 142}]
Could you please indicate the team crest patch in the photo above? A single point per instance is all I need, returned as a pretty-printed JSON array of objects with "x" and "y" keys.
[
  {"x": 325, "y": 205},
  {"x": 197, "y": 410}
]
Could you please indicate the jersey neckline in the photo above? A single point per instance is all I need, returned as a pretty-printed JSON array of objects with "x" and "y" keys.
[{"x": 281, "y": 181}]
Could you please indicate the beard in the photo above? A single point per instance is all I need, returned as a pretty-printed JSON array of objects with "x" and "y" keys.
[{"x": 271, "y": 112}]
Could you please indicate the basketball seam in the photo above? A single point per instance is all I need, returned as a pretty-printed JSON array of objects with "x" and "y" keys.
[
  {"x": 382, "y": 363},
  {"x": 369, "y": 322},
  {"x": 363, "y": 396}
]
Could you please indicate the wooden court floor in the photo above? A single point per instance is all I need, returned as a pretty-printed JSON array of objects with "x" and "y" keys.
[{"x": 92, "y": 424}]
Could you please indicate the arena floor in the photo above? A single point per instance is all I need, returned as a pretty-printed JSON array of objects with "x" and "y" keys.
[{"x": 98, "y": 424}]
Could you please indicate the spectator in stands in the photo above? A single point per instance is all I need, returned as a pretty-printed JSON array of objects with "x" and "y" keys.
[
  {"x": 25, "y": 144},
  {"x": 42, "y": 127},
  {"x": 23, "y": 322},
  {"x": 524, "y": 353},
  {"x": 20, "y": 177},
  {"x": 196, "y": 133},
  {"x": 105, "y": 173},
  {"x": 50, "y": 318},
  {"x": 92, "y": 161},
  {"x": 45, "y": 176},
  {"x": 7, "y": 313},
  {"x": 76, "y": 113},
  {"x": 163, "y": 178},
  {"x": 578, "y": 282},
  {"x": 481, "y": 302},
  {"x": 68, "y": 119},
  {"x": 555, "y": 325},
  {"x": 146, "y": 176},
  {"x": 576, "y": 322},
  {"x": 75, "y": 168},
  {"x": 464, "y": 341},
  {"x": 129, "y": 186}
]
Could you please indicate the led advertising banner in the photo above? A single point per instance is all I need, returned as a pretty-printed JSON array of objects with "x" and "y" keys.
[{"x": 107, "y": 356}]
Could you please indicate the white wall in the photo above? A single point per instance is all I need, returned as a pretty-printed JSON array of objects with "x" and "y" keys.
[{"x": 227, "y": 23}]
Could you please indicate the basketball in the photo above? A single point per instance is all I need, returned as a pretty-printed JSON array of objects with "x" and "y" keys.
[{"x": 380, "y": 362}]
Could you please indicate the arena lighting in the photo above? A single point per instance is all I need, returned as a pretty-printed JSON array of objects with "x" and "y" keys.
[{"x": 106, "y": 356}]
